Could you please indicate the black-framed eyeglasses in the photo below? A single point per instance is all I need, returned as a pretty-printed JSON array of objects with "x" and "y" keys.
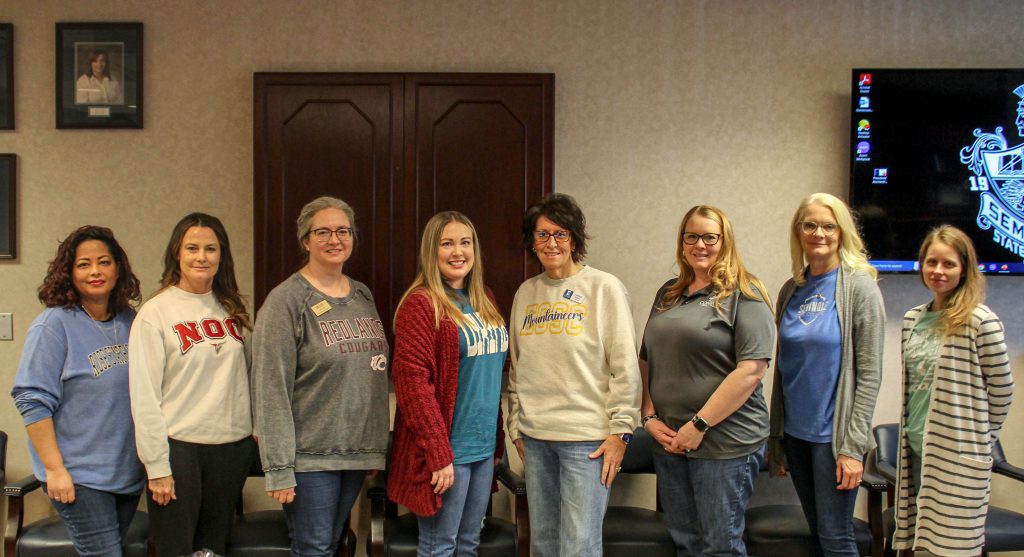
[
  {"x": 560, "y": 236},
  {"x": 809, "y": 227},
  {"x": 323, "y": 235},
  {"x": 709, "y": 239}
]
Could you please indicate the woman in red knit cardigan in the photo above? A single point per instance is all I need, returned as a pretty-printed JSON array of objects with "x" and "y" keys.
[{"x": 450, "y": 346}]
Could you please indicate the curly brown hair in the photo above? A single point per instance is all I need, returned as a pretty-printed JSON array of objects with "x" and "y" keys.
[{"x": 58, "y": 288}]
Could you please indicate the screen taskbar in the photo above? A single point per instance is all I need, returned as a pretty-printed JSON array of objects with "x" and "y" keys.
[{"x": 899, "y": 266}]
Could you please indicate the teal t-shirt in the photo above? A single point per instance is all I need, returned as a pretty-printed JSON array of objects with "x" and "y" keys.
[
  {"x": 920, "y": 355},
  {"x": 482, "y": 350}
]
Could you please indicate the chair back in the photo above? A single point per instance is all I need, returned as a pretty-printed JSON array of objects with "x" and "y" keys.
[
  {"x": 998, "y": 456},
  {"x": 887, "y": 455},
  {"x": 3, "y": 456}
]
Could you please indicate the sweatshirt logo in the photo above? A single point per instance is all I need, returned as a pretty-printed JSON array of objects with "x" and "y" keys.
[
  {"x": 362, "y": 334},
  {"x": 556, "y": 318},
  {"x": 191, "y": 333},
  {"x": 107, "y": 357},
  {"x": 379, "y": 362}
]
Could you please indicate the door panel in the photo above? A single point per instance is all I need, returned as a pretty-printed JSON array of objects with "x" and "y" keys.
[
  {"x": 478, "y": 146},
  {"x": 399, "y": 148},
  {"x": 328, "y": 134}
]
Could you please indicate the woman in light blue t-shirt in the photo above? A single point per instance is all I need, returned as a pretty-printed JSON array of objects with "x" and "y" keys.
[
  {"x": 71, "y": 389},
  {"x": 831, "y": 322}
]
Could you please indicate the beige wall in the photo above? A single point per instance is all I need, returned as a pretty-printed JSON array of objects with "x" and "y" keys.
[{"x": 659, "y": 105}]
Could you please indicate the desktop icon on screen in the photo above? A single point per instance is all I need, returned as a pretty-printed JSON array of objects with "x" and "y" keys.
[
  {"x": 863, "y": 126},
  {"x": 865, "y": 79},
  {"x": 864, "y": 102},
  {"x": 863, "y": 148}
]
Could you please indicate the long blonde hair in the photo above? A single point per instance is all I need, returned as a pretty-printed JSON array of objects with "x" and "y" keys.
[
  {"x": 970, "y": 292},
  {"x": 852, "y": 255},
  {"x": 429, "y": 279},
  {"x": 728, "y": 272}
]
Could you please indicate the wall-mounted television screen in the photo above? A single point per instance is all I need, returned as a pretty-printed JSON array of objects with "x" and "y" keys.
[{"x": 932, "y": 147}]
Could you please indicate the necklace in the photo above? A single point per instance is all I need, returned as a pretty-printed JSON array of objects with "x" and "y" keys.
[{"x": 103, "y": 331}]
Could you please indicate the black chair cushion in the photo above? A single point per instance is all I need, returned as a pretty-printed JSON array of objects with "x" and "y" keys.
[
  {"x": 498, "y": 538},
  {"x": 265, "y": 534},
  {"x": 49, "y": 538},
  {"x": 781, "y": 530},
  {"x": 260, "y": 533},
  {"x": 635, "y": 532},
  {"x": 1004, "y": 530}
]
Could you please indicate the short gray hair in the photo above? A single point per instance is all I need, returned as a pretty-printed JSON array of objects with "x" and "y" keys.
[{"x": 305, "y": 220}]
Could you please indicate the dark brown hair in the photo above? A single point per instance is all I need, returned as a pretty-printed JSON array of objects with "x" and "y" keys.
[
  {"x": 58, "y": 288},
  {"x": 225, "y": 288},
  {"x": 562, "y": 210}
]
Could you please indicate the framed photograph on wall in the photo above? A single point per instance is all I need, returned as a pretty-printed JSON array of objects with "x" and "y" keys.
[
  {"x": 6, "y": 76},
  {"x": 8, "y": 206},
  {"x": 99, "y": 75}
]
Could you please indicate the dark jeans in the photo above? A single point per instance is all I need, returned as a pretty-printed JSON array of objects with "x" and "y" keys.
[
  {"x": 208, "y": 480},
  {"x": 704, "y": 501},
  {"x": 829, "y": 511},
  {"x": 323, "y": 501},
  {"x": 98, "y": 520}
]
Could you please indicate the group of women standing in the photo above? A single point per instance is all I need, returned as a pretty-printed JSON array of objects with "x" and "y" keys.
[{"x": 310, "y": 382}]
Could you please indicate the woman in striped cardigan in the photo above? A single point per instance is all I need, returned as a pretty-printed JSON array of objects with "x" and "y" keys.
[{"x": 957, "y": 392}]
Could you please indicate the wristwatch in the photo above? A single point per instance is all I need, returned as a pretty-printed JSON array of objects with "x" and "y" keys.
[
  {"x": 699, "y": 423},
  {"x": 626, "y": 437}
]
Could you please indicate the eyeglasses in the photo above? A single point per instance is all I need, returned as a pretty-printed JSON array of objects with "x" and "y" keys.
[
  {"x": 560, "y": 236},
  {"x": 690, "y": 238},
  {"x": 323, "y": 235},
  {"x": 810, "y": 227}
]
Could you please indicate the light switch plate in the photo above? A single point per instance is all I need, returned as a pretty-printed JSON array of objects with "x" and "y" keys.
[{"x": 6, "y": 328}]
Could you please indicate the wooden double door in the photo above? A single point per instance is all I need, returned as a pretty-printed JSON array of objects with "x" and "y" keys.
[{"x": 399, "y": 148}]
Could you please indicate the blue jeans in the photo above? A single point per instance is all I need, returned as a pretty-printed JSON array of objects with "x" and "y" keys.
[
  {"x": 704, "y": 501},
  {"x": 455, "y": 529},
  {"x": 567, "y": 500},
  {"x": 98, "y": 520},
  {"x": 323, "y": 501},
  {"x": 829, "y": 511}
]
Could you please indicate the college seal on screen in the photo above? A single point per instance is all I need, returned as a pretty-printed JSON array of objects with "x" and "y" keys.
[{"x": 999, "y": 180}]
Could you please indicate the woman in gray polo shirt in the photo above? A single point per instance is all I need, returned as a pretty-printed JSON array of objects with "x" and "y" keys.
[{"x": 706, "y": 347}]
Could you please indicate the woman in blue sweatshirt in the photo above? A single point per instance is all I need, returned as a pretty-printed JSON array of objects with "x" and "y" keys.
[{"x": 72, "y": 390}]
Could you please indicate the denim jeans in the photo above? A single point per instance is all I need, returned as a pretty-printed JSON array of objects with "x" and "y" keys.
[
  {"x": 567, "y": 500},
  {"x": 829, "y": 511},
  {"x": 98, "y": 520},
  {"x": 455, "y": 529},
  {"x": 704, "y": 501},
  {"x": 323, "y": 501}
]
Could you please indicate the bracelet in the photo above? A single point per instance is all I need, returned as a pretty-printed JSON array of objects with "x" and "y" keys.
[{"x": 647, "y": 418}]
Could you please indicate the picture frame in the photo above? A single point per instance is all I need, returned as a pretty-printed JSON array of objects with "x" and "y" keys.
[
  {"x": 6, "y": 76},
  {"x": 8, "y": 206},
  {"x": 99, "y": 75}
]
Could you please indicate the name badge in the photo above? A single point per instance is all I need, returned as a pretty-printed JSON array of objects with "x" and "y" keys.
[
  {"x": 575, "y": 297},
  {"x": 321, "y": 307}
]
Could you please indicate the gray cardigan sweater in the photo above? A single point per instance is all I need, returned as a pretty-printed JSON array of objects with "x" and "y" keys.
[{"x": 862, "y": 326}]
